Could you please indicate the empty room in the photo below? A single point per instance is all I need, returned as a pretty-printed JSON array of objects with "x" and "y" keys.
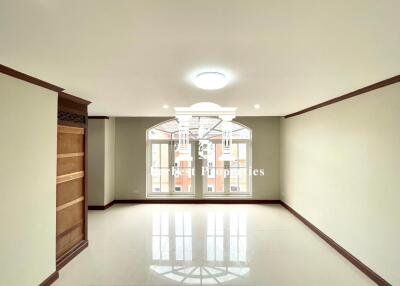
[{"x": 214, "y": 142}]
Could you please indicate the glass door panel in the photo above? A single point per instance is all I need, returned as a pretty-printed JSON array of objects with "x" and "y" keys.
[{"x": 182, "y": 174}]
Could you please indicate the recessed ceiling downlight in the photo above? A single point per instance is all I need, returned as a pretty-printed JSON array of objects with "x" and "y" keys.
[{"x": 210, "y": 80}]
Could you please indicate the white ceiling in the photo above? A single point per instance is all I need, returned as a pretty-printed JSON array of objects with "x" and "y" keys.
[{"x": 131, "y": 57}]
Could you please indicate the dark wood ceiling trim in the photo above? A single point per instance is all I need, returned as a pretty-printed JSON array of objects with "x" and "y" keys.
[
  {"x": 360, "y": 91},
  {"x": 14, "y": 73},
  {"x": 99, "y": 117},
  {"x": 73, "y": 98}
]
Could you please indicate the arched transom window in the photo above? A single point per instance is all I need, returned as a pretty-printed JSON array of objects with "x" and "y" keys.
[{"x": 170, "y": 175}]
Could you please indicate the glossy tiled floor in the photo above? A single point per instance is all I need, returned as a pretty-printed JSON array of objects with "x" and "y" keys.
[{"x": 205, "y": 245}]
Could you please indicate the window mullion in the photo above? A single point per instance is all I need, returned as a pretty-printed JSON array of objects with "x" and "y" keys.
[
  {"x": 159, "y": 154},
  {"x": 227, "y": 182},
  {"x": 171, "y": 159}
]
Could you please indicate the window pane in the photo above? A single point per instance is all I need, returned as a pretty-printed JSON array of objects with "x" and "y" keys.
[
  {"x": 157, "y": 134},
  {"x": 233, "y": 180},
  {"x": 164, "y": 155},
  {"x": 164, "y": 180},
  {"x": 156, "y": 180},
  {"x": 218, "y": 153},
  {"x": 211, "y": 156},
  {"x": 183, "y": 180},
  {"x": 242, "y": 155},
  {"x": 219, "y": 180},
  {"x": 243, "y": 177},
  {"x": 182, "y": 164},
  {"x": 234, "y": 152},
  {"x": 243, "y": 133},
  {"x": 155, "y": 155},
  {"x": 211, "y": 185},
  {"x": 183, "y": 173}
]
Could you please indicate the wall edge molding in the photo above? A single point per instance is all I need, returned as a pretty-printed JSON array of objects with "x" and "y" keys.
[
  {"x": 51, "y": 279},
  {"x": 357, "y": 92},
  {"x": 342, "y": 251},
  {"x": 33, "y": 80}
]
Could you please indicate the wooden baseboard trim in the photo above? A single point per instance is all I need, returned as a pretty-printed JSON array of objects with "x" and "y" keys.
[
  {"x": 102, "y": 208},
  {"x": 197, "y": 201},
  {"x": 352, "y": 259},
  {"x": 99, "y": 117},
  {"x": 50, "y": 280},
  {"x": 63, "y": 260},
  {"x": 185, "y": 201}
]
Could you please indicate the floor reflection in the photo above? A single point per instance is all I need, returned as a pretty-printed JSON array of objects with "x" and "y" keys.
[{"x": 180, "y": 256}]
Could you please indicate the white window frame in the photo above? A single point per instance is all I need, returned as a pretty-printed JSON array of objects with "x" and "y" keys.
[
  {"x": 226, "y": 192},
  {"x": 195, "y": 163},
  {"x": 171, "y": 164}
]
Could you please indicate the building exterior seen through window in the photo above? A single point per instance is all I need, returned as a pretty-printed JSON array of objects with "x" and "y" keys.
[{"x": 169, "y": 175}]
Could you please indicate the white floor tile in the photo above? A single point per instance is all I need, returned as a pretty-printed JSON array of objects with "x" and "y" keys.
[{"x": 205, "y": 245}]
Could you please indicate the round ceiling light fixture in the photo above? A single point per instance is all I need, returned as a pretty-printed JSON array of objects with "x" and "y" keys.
[{"x": 210, "y": 80}]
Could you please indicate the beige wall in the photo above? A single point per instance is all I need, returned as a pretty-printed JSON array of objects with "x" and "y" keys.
[
  {"x": 341, "y": 171},
  {"x": 109, "y": 161},
  {"x": 130, "y": 156},
  {"x": 101, "y": 144},
  {"x": 96, "y": 158},
  {"x": 28, "y": 148}
]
